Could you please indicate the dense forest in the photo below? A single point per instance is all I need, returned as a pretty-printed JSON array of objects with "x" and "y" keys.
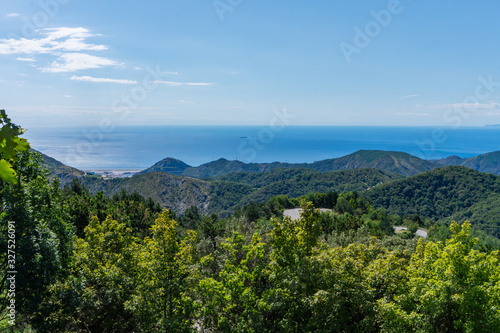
[{"x": 89, "y": 262}]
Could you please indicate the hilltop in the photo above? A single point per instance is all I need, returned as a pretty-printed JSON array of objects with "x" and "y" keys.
[
  {"x": 394, "y": 162},
  {"x": 169, "y": 165}
]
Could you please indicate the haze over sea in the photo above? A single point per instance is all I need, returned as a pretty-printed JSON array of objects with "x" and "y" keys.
[{"x": 138, "y": 147}]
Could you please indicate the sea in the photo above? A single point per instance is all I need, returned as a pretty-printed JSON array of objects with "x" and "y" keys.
[{"x": 138, "y": 147}]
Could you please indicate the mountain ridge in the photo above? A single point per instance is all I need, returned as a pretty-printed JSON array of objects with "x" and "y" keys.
[
  {"x": 488, "y": 162},
  {"x": 391, "y": 161}
]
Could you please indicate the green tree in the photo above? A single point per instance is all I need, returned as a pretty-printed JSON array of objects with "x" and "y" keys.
[
  {"x": 451, "y": 288},
  {"x": 290, "y": 275},
  {"x": 165, "y": 299},
  {"x": 231, "y": 301},
  {"x": 43, "y": 238},
  {"x": 103, "y": 280}
]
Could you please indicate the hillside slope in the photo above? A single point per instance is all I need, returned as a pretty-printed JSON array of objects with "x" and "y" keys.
[
  {"x": 173, "y": 192},
  {"x": 440, "y": 194},
  {"x": 223, "y": 195},
  {"x": 391, "y": 161},
  {"x": 57, "y": 169},
  {"x": 293, "y": 183},
  {"x": 489, "y": 163}
]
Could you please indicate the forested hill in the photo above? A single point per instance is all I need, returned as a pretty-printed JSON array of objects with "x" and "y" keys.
[
  {"x": 222, "y": 195},
  {"x": 452, "y": 191},
  {"x": 489, "y": 162},
  {"x": 57, "y": 169},
  {"x": 448, "y": 193},
  {"x": 395, "y": 162},
  {"x": 169, "y": 165},
  {"x": 391, "y": 161}
]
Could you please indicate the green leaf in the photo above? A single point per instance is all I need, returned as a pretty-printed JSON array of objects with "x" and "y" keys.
[{"x": 7, "y": 173}]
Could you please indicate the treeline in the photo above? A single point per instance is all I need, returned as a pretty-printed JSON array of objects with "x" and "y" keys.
[{"x": 87, "y": 263}]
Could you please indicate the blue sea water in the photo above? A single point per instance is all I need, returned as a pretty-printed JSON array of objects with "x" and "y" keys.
[{"x": 138, "y": 147}]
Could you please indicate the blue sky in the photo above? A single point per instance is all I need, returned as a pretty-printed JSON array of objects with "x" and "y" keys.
[{"x": 232, "y": 62}]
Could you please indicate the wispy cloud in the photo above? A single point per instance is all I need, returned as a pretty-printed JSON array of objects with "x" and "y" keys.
[
  {"x": 172, "y": 83},
  {"x": 13, "y": 15},
  {"x": 69, "y": 45},
  {"x": 102, "y": 80},
  {"x": 70, "y": 62},
  {"x": 169, "y": 83},
  {"x": 25, "y": 59},
  {"x": 408, "y": 96}
]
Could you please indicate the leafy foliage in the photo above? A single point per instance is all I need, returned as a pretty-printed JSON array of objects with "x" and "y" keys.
[
  {"x": 450, "y": 288},
  {"x": 10, "y": 146}
]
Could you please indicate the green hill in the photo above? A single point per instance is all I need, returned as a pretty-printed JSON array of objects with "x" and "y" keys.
[
  {"x": 169, "y": 165},
  {"x": 223, "y": 195},
  {"x": 57, "y": 169},
  {"x": 173, "y": 192},
  {"x": 452, "y": 191},
  {"x": 489, "y": 162},
  {"x": 485, "y": 214},
  {"x": 223, "y": 166},
  {"x": 395, "y": 162},
  {"x": 294, "y": 183},
  {"x": 391, "y": 161}
]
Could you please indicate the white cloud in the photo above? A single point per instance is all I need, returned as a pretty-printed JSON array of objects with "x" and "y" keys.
[
  {"x": 70, "y": 62},
  {"x": 102, "y": 80},
  {"x": 13, "y": 15},
  {"x": 53, "y": 40},
  {"x": 169, "y": 83},
  {"x": 67, "y": 44},
  {"x": 25, "y": 59},
  {"x": 408, "y": 96}
]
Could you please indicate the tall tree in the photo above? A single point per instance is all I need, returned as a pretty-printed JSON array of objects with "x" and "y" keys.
[
  {"x": 164, "y": 299},
  {"x": 43, "y": 238}
]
